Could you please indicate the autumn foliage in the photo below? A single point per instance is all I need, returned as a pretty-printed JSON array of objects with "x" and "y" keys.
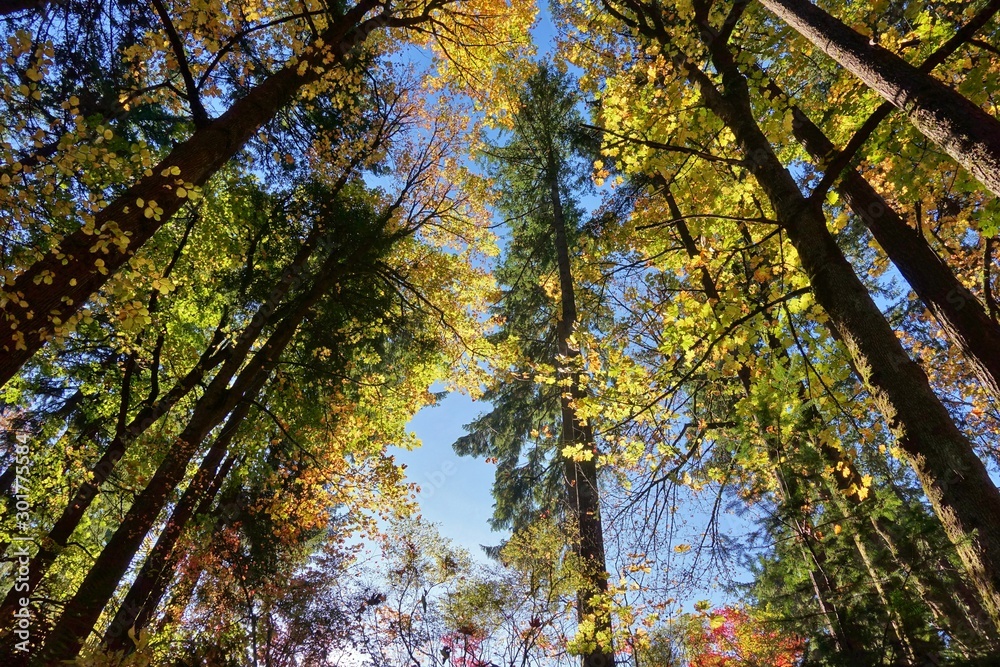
[
  {"x": 720, "y": 276},
  {"x": 732, "y": 637}
]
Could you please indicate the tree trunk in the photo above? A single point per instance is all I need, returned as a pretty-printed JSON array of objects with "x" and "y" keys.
[
  {"x": 845, "y": 633},
  {"x": 961, "y": 128},
  {"x": 959, "y": 313},
  {"x": 149, "y": 585},
  {"x": 30, "y": 308},
  {"x": 581, "y": 476},
  {"x": 953, "y": 478},
  {"x": 963, "y": 35},
  {"x": 903, "y": 631},
  {"x": 159, "y": 588},
  {"x": 180, "y": 598},
  {"x": 83, "y": 610}
]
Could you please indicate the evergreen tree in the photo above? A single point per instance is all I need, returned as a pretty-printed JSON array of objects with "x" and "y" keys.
[{"x": 535, "y": 431}]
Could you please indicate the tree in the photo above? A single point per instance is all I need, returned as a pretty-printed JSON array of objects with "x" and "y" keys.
[
  {"x": 885, "y": 367},
  {"x": 60, "y": 281},
  {"x": 960, "y": 127},
  {"x": 432, "y": 604},
  {"x": 537, "y": 168},
  {"x": 732, "y": 637},
  {"x": 217, "y": 353}
]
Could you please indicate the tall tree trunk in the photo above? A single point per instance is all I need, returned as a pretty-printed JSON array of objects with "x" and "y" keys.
[
  {"x": 221, "y": 516},
  {"x": 846, "y": 634},
  {"x": 959, "y": 313},
  {"x": 180, "y": 597},
  {"x": 902, "y": 627},
  {"x": 954, "y": 479},
  {"x": 833, "y": 617},
  {"x": 581, "y": 476},
  {"x": 30, "y": 307},
  {"x": 961, "y": 128},
  {"x": 159, "y": 589},
  {"x": 136, "y": 611},
  {"x": 83, "y": 610}
]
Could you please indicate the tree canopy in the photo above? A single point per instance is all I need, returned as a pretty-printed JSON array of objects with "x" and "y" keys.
[{"x": 721, "y": 277}]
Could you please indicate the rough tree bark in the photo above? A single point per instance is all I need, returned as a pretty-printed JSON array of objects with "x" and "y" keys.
[
  {"x": 960, "y": 127},
  {"x": 957, "y": 310}
]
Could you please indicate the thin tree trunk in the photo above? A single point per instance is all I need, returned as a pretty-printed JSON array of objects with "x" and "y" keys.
[
  {"x": 959, "y": 313},
  {"x": 961, "y": 128},
  {"x": 180, "y": 598},
  {"x": 159, "y": 589},
  {"x": 832, "y": 616},
  {"x": 902, "y": 632},
  {"x": 71, "y": 269},
  {"x": 846, "y": 635},
  {"x": 221, "y": 516},
  {"x": 83, "y": 610},
  {"x": 581, "y": 476},
  {"x": 136, "y": 611}
]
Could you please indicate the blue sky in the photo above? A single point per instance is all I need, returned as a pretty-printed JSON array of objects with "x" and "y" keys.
[{"x": 455, "y": 490}]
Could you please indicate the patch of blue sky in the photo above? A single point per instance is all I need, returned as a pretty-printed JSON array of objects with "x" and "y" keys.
[{"x": 456, "y": 491}]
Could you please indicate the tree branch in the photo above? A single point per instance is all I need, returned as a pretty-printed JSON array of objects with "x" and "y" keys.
[
  {"x": 198, "y": 112},
  {"x": 839, "y": 161},
  {"x": 666, "y": 147}
]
